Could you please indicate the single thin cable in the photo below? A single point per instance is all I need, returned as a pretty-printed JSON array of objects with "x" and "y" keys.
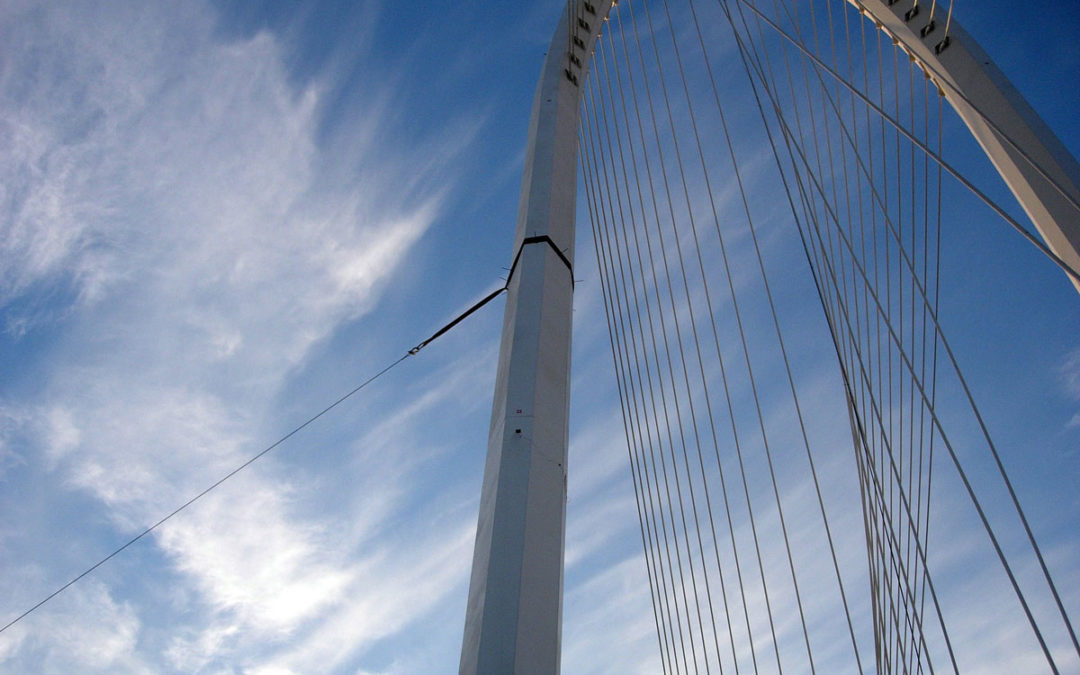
[{"x": 250, "y": 461}]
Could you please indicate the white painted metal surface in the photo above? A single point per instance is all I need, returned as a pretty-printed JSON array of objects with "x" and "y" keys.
[
  {"x": 514, "y": 616},
  {"x": 1035, "y": 165}
]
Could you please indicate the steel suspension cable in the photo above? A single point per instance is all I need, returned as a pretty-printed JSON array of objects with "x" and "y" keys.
[
  {"x": 970, "y": 489},
  {"x": 983, "y": 429},
  {"x": 886, "y": 118},
  {"x": 638, "y": 475},
  {"x": 650, "y": 412},
  {"x": 735, "y": 551},
  {"x": 783, "y": 350},
  {"x": 254, "y": 458},
  {"x": 744, "y": 57}
]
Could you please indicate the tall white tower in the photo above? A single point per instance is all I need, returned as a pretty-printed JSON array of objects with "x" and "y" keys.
[{"x": 514, "y": 617}]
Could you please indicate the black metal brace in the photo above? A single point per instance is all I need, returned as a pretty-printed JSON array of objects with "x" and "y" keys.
[{"x": 540, "y": 240}]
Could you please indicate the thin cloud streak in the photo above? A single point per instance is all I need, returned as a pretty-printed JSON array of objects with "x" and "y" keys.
[
  {"x": 195, "y": 229},
  {"x": 171, "y": 189}
]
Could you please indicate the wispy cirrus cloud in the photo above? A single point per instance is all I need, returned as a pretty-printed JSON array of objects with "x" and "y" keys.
[
  {"x": 174, "y": 240},
  {"x": 1070, "y": 377},
  {"x": 90, "y": 632}
]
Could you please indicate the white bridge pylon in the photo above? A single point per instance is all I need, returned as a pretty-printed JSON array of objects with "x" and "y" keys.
[{"x": 513, "y": 618}]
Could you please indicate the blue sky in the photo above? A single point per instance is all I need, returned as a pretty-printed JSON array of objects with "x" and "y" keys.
[{"x": 215, "y": 218}]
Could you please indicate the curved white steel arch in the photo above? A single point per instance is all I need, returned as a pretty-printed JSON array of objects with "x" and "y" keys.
[
  {"x": 514, "y": 615},
  {"x": 1042, "y": 174}
]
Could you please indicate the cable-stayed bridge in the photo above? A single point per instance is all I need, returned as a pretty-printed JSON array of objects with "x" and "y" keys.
[
  {"x": 855, "y": 101},
  {"x": 787, "y": 204}
]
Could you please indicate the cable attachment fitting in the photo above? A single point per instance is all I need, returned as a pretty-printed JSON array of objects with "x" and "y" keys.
[{"x": 461, "y": 317}]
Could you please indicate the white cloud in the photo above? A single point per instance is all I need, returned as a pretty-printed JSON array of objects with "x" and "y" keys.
[
  {"x": 1070, "y": 376},
  {"x": 86, "y": 631},
  {"x": 611, "y": 615},
  {"x": 178, "y": 221},
  {"x": 168, "y": 211},
  {"x": 222, "y": 544},
  {"x": 390, "y": 590}
]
